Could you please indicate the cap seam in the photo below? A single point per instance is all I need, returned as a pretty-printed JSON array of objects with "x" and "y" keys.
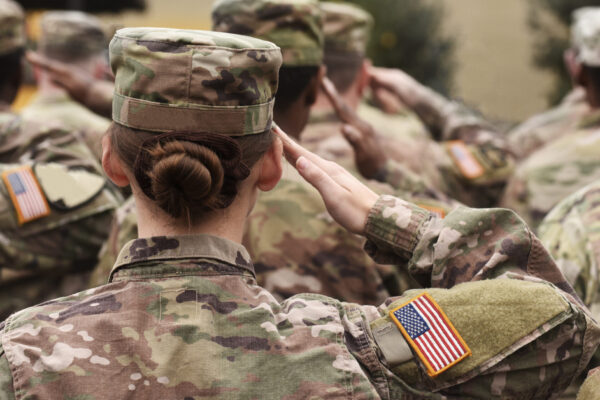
[
  {"x": 276, "y": 48},
  {"x": 204, "y": 107}
]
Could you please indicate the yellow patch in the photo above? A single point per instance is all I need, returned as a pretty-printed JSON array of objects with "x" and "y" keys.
[
  {"x": 437, "y": 211},
  {"x": 26, "y": 194},
  {"x": 469, "y": 166},
  {"x": 430, "y": 334}
]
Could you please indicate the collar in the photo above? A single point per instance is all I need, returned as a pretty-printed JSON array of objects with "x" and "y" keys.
[
  {"x": 162, "y": 255},
  {"x": 51, "y": 98}
]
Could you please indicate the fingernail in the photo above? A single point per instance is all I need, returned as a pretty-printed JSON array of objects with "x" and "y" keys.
[{"x": 301, "y": 163}]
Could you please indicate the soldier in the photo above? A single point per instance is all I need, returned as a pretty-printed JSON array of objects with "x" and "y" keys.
[
  {"x": 53, "y": 216},
  {"x": 78, "y": 39},
  {"x": 542, "y": 129},
  {"x": 183, "y": 316},
  {"x": 570, "y": 162},
  {"x": 295, "y": 244}
]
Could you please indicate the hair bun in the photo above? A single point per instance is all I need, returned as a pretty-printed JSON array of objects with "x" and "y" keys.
[{"x": 185, "y": 177}]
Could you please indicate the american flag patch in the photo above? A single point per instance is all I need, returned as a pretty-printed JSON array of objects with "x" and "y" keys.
[
  {"x": 468, "y": 165},
  {"x": 26, "y": 194},
  {"x": 430, "y": 333}
]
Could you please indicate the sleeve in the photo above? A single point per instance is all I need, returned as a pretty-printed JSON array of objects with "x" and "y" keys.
[
  {"x": 476, "y": 159},
  {"x": 526, "y": 331},
  {"x": 99, "y": 98},
  {"x": 6, "y": 380}
]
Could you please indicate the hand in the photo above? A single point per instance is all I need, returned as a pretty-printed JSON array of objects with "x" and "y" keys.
[
  {"x": 346, "y": 198},
  {"x": 395, "y": 82},
  {"x": 369, "y": 153},
  {"x": 387, "y": 101}
]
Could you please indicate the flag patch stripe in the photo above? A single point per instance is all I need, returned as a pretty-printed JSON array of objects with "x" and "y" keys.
[
  {"x": 26, "y": 194},
  {"x": 430, "y": 333}
]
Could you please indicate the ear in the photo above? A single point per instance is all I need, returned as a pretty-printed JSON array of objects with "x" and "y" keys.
[
  {"x": 573, "y": 66},
  {"x": 313, "y": 88},
  {"x": 112, "y": 165},
  {"x": 271, "y": 167}
]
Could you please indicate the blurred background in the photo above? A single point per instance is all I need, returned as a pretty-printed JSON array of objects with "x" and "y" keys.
[{"x": 501, "y": 57}]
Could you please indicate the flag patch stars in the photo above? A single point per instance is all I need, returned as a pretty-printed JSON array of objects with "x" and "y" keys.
[
  {"x": 26, "y": 195},
  {"x": 430, "y": 333}
]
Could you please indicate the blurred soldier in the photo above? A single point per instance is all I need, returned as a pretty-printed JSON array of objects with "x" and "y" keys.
[
  {"x": 53, "y": 217},
  {"x": 183, "y": 317},
  {"x": 543, "y": 128},
  {"x": 78, "y": 39},
  {"x": 570, "y": 162},
  {"x": 294, "y": 242}
]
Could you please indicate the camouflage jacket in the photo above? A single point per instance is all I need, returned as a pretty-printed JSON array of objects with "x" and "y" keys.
[
  {"x": 49, "y": 256},
  {"x": 548, "y": 126},
  {"x": 183, "y": 317},
  {"x": 554, "y": 172},
  {"x": 72, "y": 115}
]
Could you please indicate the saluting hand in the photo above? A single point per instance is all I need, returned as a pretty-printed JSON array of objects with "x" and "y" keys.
[
  {"x": 346, "y": 198},
  {"x": 369, "y": 154}
]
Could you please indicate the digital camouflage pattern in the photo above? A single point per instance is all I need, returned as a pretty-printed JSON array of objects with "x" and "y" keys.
[
  {"x": 347, "y": 28},
  {"x": 227, "y": 82},
  {"x": 541, "y": 129},
  {"x": 70, "y": 114},
  {"x": 193, "y": 300},
  {"x": 71, "y": 36},
  {"x": 12, "y": 27},
  {"x": 555, "y": 171},
  {"x": 293, "y": 25}
]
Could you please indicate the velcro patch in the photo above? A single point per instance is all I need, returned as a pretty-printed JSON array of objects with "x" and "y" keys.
[
  {"x": 26, "y": 195},
  {"x": 467, "y": 163},
  {"x": 430, "y": 333}
]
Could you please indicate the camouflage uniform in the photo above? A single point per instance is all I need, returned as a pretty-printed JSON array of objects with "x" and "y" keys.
[
  {"x": 173, "y": 302},
  {"x": 70, "y": 36},
  {"x": 181, "y": 301},
  {"x": 49, "y": 256},
  {"x": 591, "y": 386}
]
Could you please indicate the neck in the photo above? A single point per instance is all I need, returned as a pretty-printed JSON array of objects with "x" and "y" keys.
[
  {"x": 228, "y": 223},
  {"x": 45, "y": 85}
]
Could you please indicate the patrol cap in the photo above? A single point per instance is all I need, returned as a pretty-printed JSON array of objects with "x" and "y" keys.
[
  {"x": 293, "y": 25},
  {"x": 585, "y": 35},
  {"x": 173, "y": 80},
  {"x": 347, "y": 28},
  {"x": 71, "y": 35},
  {"x": 12, "y": 26}
]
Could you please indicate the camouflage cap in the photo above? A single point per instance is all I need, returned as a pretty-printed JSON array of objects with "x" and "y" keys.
[
  {"x": 293, "y": 25},
  {"x": 585, "y": 35},
  {"x": 12, "y": 26},
  {"x": 71, "y": 35},
  {"x": 172, "y": 80},
  {"x": 347, "y": 28}
]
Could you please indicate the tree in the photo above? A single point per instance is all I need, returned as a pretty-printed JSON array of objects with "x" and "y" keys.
[
  {"x": 550, "y": 21},
  {"x": 408, "y": 35}
]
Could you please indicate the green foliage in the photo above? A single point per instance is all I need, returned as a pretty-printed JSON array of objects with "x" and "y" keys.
[
  {"x": 550, "y": 22},
  {"x": 408, "y": 35}
]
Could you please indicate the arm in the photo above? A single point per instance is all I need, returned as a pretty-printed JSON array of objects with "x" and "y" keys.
[{"x": 528, "y": 334}]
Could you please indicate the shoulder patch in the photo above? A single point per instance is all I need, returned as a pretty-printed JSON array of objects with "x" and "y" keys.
[
  {"x": 66, "y": 188},
  {"x": 464, "y": 159},
  {"x": 430, "y": 333},
  {"x": 26, "y": 194}
]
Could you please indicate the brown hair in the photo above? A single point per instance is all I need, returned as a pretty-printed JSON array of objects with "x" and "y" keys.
[{"x": 188, "y": 175}]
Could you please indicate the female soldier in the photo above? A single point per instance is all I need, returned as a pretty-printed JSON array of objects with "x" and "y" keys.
[{"x": 183, "y": 317}]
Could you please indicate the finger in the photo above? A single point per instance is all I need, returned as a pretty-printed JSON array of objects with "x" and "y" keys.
[
  {"x": 42, "y": 62},
  {"x": 340, "y": 107},
  {"x": 293, "y": 151},
  {"x": 351, "y": 134},
  {"x": 318, "y": 178}
]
